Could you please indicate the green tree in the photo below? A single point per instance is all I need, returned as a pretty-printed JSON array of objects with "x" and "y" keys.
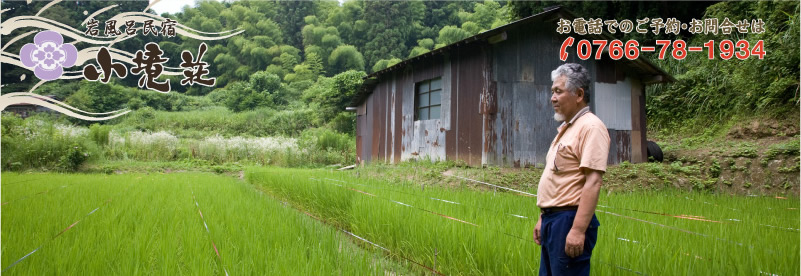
[
  {"x": 708, "y": 93},
  {"x": 450, "y": 34},
  {"x": 98, "y": 97},
  {"x": 333, "y": 95},
  {"x": 291, "y": 15},
  {"x": 315, "y": 63},
  {"x": 485, "y": 16},
  {"x": 391, "y": 26},
  {"x": 385, "y": 63},
  {"x": 240, "y": 96},
  {"x": 423, "y": 46},
  {"x": 308, "y": 70},
  {"x": 265, "y": 82},
  {"x": 346, "y": 57}
]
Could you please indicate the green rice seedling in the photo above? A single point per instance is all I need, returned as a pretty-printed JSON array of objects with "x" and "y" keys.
[
  {"x": 462, "y": 240},
  {"x": 468, "y": 231},
  {"x": 152, "y": 225},
  {"x": 34, "y": 221}
]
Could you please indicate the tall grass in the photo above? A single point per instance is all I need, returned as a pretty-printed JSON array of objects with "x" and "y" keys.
[
  {"x": 100, "y": 134},
  {"x": 325, "y": 146},
  {"x": 45, "y": 145},
  {"x": 219, "y": 149},
  {"x": 138, "y": 145},
  {"x": 40, "y": 144}
]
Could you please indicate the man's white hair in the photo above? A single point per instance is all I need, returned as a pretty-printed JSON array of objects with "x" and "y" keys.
[{"x": 577, "y": 77}]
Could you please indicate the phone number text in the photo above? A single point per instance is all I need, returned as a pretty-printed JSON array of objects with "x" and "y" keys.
[{"x": 677, "y": 49}]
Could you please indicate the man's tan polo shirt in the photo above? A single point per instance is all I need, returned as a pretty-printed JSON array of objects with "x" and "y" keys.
[{"x": 581, "y": 143}]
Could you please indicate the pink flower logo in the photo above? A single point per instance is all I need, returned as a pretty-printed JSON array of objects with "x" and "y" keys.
[{"x": 48, "y": 54}]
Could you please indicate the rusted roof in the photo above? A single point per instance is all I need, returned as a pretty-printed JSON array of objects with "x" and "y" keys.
[{"x": 640, "y": 63}]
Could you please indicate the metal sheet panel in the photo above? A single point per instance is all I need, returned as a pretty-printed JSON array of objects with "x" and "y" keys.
[
  {"x": 488, "y": 106},
  {"x": 368, "y": 134},
  {"x": 639, "y": 151},
  {"x": 613, "y": 104},
  {"x": 537, "y": 54},
  {"x": 429, "y": 141},
  {"x": 386, "y": 128},
  {"x": 451, "y": 79},
  {"x": 374, "y": 120},
  {"x": 360, "y": 131},
  {"x": 522, "y": 66},
  {"x": 469, "y": 85},
  {"x": 504, "y": 58},
  {"x": 378, "y": 121},
  {"x": 533, "y": 127},
  {"x": 397, "y": 118},
  {"x": 423, "y": 139},
  {"x": 384, "y": 115},
  {"x": 503, "y": 152},
  {"x": 446, "y": 95},
  {"x": 619, "y": 146},
  {"x": 391, "y": 121},
  {"x": 407, "y": 118},
  {"x": 428, "y": 69}
]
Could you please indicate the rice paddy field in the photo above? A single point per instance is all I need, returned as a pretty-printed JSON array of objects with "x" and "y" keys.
[
  {"x": 461, "y": 230},
  {"x": 139, "y": 224},
  {"x": 319, "y": 222}
]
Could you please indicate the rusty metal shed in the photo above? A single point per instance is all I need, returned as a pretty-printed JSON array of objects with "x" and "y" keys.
[{"x": 495, "y": 100}]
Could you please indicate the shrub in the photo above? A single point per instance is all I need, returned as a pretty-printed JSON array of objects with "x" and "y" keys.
[
  {"x": 72, "y": 158},
  {"x": 344, "y": 122},
  {"x": 325, "y": 146},
  {"x": 714, "y": 170},
  {"x": 99, "y": 134},
  {"x": 39, "y": 144}
]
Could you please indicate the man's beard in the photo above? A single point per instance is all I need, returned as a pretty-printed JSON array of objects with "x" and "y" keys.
[{"x": 558, "y": 117}]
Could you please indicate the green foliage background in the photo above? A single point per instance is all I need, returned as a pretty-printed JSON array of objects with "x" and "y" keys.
[
  {"x": 711, "y": 92},
  {"x": 298, "y": 64}
]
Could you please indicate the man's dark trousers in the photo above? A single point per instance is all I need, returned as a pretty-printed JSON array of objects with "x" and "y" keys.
[{"x": 554, "y": 229}]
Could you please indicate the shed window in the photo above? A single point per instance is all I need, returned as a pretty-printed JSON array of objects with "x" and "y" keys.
[{"x": 428, "y": 98}]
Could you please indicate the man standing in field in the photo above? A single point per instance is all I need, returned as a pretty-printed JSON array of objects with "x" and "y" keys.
[{"x": 568, "y": 191}]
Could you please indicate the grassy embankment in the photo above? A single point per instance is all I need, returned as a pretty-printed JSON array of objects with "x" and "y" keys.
[{"x": 747, "y": 156}]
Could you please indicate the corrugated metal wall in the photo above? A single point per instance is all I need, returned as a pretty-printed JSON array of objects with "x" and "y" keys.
[
  {"x": 619, "y": 146},
  {"x": 621, "y": 106},
  {"x": 613, "y": 104},
  {"x": 386, "y": 130},
  {"x": 427, "y": 137},
  {"x": 468, "y": 83},
  {"x": 364, "y": 130},
  {"x": 495, "y": 106},
  {"x": 639, "y": 152},
  {"x": 522, "y": 65}
]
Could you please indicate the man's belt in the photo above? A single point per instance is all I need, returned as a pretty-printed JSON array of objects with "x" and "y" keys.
[{"x": 558, "y": 209}]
